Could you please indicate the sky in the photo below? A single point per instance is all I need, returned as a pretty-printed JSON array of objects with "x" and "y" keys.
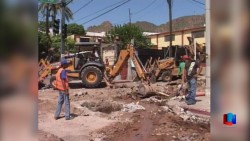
[{"x": 154, "y": 11}]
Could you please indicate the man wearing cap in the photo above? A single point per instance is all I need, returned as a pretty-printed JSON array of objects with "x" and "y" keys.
[
  {"x": 190, "y": 76},
  {"x": 61, "y": 84}
]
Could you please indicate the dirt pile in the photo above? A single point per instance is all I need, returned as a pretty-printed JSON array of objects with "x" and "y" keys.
[
  {"x": 106, "y": 114},
  {"x": 44, "y": 136},
  {"x": 154, "y": 125}
]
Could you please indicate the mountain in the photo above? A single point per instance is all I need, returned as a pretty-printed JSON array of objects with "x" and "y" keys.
[
  {"x": 183, "y": 23},
  {"x": 180, "y": 23},
  {"x": 146, "y": 26},
  {"x": 105, "y": 26}
]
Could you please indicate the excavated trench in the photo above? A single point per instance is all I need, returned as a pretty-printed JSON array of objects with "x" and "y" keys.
[
  {"x": 154, "y": 124},
  {"x": 102, "y": 106}
]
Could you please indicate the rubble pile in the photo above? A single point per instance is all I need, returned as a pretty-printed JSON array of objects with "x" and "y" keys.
[
  {"x": 132, "y": 107},
  {"x": 156, "y": 99},
  {"x": 185, "y": 115}
]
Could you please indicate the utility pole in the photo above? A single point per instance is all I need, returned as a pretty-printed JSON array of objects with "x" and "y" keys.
[
  {"x": 62, "y": 24},
  {"x": 129, "y": 16},
  {"x": 170, "y": 2}
]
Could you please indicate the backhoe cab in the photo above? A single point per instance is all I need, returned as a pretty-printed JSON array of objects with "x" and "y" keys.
[
  {"x": 85, "y": 65},
  {"x": 167, "y": 68}
]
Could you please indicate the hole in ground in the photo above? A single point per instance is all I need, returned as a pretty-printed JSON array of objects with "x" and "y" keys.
[{"x": 102, "y": 106}]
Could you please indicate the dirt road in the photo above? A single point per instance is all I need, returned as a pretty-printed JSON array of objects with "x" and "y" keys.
[{"x": 106, "y": 114}]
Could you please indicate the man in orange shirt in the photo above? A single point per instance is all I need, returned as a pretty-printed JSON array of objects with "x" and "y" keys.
[{"x": 62, "y": 85}]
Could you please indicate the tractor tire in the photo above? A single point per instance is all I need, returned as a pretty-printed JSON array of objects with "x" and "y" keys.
[
  {"x": 51, "y": 80},
  {"x": 91, "y": 77},
  {"x": 166, "y": 76}
]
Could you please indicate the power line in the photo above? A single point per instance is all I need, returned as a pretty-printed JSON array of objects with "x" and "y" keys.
[
  {"x": 198, "y": 2},
  {"x": 83, "y": 6},
  {"x": 145, "y": 7},
  {"x": 106, "y": 12},
  {"x": 148, "y": 12},
  {"x": 99, "y": 10},
  {"x": 122, "y": 21}
]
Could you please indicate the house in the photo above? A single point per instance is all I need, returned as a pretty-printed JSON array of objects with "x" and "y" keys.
[
  {"x": 108, "y": 52},
  {"x": 89, "y": 37},
  {"x": 179, "y": 37}
]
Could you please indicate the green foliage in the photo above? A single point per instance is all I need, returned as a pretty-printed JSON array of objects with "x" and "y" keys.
[
  {"x": 75, "y": 29},
  {"x": 54, "y": 9},
  {"x": 42, "y": 25},
  {"x": 56, "y": 44},
  {"x": 44, "y": 43},
  {"x": 70, "y": 45},
  {"x": 126, "y": 33}
]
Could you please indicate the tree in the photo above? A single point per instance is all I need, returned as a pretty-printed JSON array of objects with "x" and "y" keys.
[
  {"x": 44, "y": 9},
  {"x": 56, "y": 44},
  {"x": 42, "y": 25},
  {"x": 47, "y": 10},
  {"x": 75, "y": 29},
  {"x": 127, "y": 32},
  {"x": 44, "y": 43}
]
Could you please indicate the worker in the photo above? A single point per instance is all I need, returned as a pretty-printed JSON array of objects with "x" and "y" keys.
[
  {"x": 61, "y": 84},
  {"x": 181, "y": 66},
  {"x": 190, "y": 76},
  {"x": 95, "y": 52}
]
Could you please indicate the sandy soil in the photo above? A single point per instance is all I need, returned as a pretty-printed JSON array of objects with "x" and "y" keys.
[{"x": 99, "y": 116}]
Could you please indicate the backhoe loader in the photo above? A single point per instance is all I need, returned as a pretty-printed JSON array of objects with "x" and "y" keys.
[
  {"x": 82, "y": 65},
  {"x": 124, "y": 55},
  {"x": 167, "y": 68},
  {"x": 92, "y": 71},
  {"x": 171, "y": 67}
]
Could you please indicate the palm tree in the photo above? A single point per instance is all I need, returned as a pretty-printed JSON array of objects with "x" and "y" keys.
[
  {"x": 44, "y": 9},
  {"x": 55, "y": 8},
  {"x": 52, "y": 9}
]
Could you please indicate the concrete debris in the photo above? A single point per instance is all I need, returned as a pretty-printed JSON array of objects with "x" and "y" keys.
[
  {"x": 166, "y": 109},
  {"x": 132, "y": 107},
  {"x": 80, "y": 94},
  {"x": 185, "y": 117},
  {"x": 178, "y": 98},
  {"x": 177, "y": 110},
  {"x": 153, "y": 100}
]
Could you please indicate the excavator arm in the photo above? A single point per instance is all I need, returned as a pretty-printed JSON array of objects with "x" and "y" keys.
[
  {"x": 123, "y": 57},
  {"x": 129, "y": 52}
]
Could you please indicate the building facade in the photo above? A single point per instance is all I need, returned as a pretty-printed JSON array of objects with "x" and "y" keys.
[
  {"x": 89, "y": 37},
  {"x": 161, "y": 40}
]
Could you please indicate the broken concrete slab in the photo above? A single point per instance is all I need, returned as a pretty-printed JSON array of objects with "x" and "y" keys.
[{"x": 132, "y": 107}]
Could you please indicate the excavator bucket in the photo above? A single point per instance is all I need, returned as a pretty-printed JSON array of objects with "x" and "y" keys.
[{"x": 145, "y": 90}]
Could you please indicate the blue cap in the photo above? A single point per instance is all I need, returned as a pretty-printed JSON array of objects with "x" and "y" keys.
[{"x": 64, "y": 61}]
